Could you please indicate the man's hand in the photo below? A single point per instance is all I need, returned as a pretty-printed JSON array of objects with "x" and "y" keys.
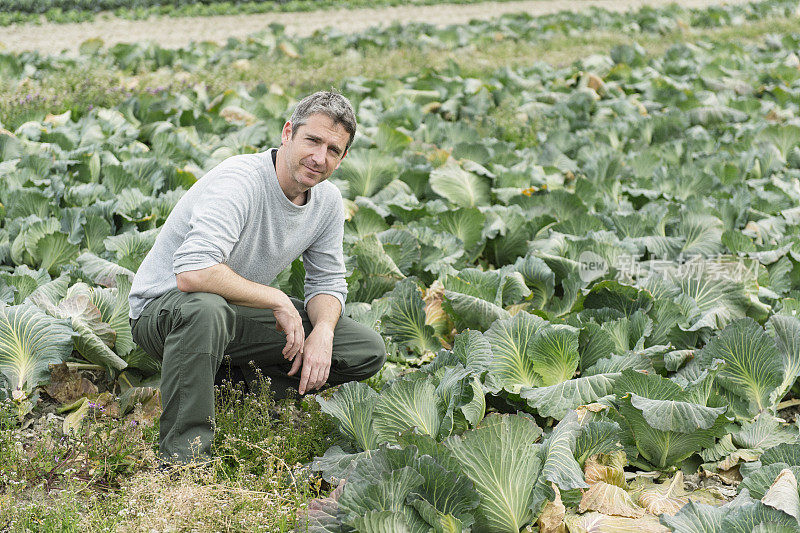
[
  {"x": 288, "y": 320},
  {"x": 220, "y": 279},
  {"x": 315, "y": 359}
]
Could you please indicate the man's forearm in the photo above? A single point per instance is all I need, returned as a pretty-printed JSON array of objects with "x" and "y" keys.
[
  {"x": 221, "y": 279},
  {"x": 324, "y": 311}
]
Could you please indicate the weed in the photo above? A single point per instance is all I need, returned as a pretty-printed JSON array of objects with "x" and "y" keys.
[{"x": 103, "y": 477}]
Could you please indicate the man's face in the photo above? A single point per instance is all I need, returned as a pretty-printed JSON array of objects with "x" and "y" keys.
[{"x": 314, "y": 150}]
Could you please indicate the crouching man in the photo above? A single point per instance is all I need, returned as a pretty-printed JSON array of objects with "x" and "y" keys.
[{"x": 201, "y": 293}]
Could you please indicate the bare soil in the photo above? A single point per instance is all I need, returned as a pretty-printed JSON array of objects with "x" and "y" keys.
[{"x": 175, "y": 32}]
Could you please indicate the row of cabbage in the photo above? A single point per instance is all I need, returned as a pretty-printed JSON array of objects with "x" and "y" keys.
[
  {"x": 518, "y": 28},
  {"x": 626, "y": 274}
]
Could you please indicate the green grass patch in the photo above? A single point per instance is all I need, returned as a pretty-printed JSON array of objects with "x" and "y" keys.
[{"x": 106, "y": 477}]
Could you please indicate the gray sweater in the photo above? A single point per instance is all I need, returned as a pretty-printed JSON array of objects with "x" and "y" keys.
[{"x": 237, "y": 214}]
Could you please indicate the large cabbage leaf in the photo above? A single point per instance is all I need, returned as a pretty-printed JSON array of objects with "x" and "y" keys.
[
  {"x": 502, "y": 462},
  {"x": 667, "y": 422},
  {"x": 30, "y": 341}
]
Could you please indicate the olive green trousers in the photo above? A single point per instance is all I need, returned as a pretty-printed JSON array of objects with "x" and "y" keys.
[{"x": 191, "y": 332}]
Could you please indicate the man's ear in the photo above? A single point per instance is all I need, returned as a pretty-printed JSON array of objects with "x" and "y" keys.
[{"x": 286, "y": 133}]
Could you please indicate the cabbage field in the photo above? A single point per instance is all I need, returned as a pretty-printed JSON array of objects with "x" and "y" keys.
[{"x": 587, "y": 275}]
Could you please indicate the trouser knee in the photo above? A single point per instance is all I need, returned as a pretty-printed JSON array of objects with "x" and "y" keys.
[
  {"x": 371, "y": 356},
  {"x": 207, "y": 312}
]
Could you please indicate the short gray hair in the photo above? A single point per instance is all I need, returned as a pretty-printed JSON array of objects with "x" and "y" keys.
[{"x": 332, "y": 104}]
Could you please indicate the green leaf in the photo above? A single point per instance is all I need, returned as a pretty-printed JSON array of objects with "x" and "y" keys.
[
  {"x": 764, "y": 433},
  {"x": 719, "y": 301},
  {"x": 101, "y": 271},
  {"x": 782, "y": 453},
  {"x": 352, "y": 405},
  {"x": 557, "y": 400},
  {"x": 512, "y": 365},
  {"x": 52, "y": 291},
  {"x": 405, "y": 319},
  {"x": 786, "y": 330},
  {"x": 95, "y": 232},
  {"x": 560, "y": 466},
  {"x": 55, "y": 250},
  {"x": 389, "y": 493},
  {"x": 623, "y": 298},
  {"x": 143, "y": 361},
  {"x": 598, "y": 436},
  {"x": 30, "y": 341},
  {"x": 539, "y": 279},
  {"x": 114, "y": 310},
  {"x": 759, "y": 482},
  {"x": 783, "y": 137},
  {"x": 365, "y": 221},
  {"x": 131, "y": 247},
  {"x": 503, "y": 464},
  {"x": 696, "y": 518},
  {"x": 747, "y": 517},
  {"x": 554, "y": 353},
  {"x": 753, "y": 367},
  {"x": 446, "y": 491},
  {"x": 458, "y": 186},
  {"x": 405, "y": 404},
  {"x": 366, "y": 172},
  {"x": 25, "y": 281},
  {"x": 441, "y": 523},
  {"x": 94, "y": 337},
  {"x": 465, "y": 223},
  {"x": 376, "y": 270},
  {"x": 402, "y": 247},
  {"x": 470, "y": 349},
  {"x": 381, "y": 522},
  {"x": 681, "y": 417},
  {"x": 661, "y": 417},
  {"x": 475, "y": 298}
]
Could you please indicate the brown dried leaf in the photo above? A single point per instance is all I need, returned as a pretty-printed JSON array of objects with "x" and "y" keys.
[
  {"x": 72, "y": 422},
  {"x": 431, "y": 107},
  {"x": 773, "y": 116},
  {"x": 66, "y": 386},
  {"x": 609, "y": 499},
  {"x": 728, "y": 477},
  {"x": 58, "y": 120},
  {"x": 782, "y": 494},
  {"x": 241, "y": 65},
  {"x": 552, "y": 518},
  {"x": 514, "y": 309},
  {"x": 596, "y": 83},
  {"x": 600, "y": 523},
  {"x": 106, "y": 404},
  {"x": 147, "y": 398},
  {"x": 289, "y": 49},
  {"x": 739, "y": 456},
  {"x": 435, "y": 315},
  {"x": 606, "y": 467},
  {"x": 584, "y": 410},
  {"x": 236, "y": 115},
  {"x": 149, "y": 411},
  {"x": 666, "y": 498}
]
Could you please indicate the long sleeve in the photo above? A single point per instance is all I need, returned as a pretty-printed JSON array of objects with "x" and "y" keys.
[
  {"x": 215, "y": 226},
  {"x": 324, "y": 261}
]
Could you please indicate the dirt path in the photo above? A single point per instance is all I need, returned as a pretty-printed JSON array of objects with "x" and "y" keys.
[{"x": 176, "y": 32}]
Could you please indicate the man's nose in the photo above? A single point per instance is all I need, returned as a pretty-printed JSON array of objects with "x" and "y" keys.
[{"x": 319, "y": 155}]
